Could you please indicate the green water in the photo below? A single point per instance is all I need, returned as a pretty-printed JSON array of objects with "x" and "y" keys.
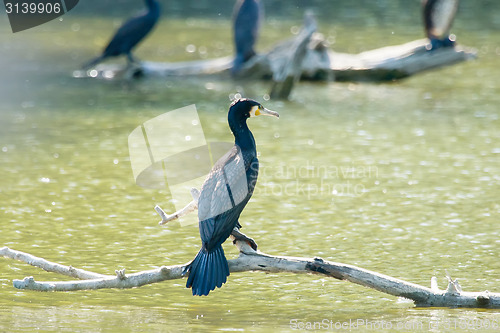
[{"x": 400, "y": 178}]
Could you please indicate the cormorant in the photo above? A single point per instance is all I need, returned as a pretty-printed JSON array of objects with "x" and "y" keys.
[
  {"x": 224, "y": 194},
  {"x": 438, "y": 17},
  {"x": 130, "y": 34},
  {"x": 247, "y": 15}
]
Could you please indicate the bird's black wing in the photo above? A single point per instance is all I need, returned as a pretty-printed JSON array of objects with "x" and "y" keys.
[{"x": 223, "y": 196}]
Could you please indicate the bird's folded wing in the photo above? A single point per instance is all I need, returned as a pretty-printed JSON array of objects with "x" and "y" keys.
[{"x": 225, "y": 187}]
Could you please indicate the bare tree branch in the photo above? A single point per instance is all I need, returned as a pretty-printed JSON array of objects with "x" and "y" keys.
[
  {"x": 288, "y": 65},
  {"x": 48, "y": 266},
  {"x": 250, "y": 260},
  {"x": 190, "y": 207}
]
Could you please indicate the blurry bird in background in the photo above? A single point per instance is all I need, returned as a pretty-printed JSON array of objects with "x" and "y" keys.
[
  {"x": 247, "y": 17},
  {"x": 130, "y": 34},
  {"x": 438, "y": 17}
]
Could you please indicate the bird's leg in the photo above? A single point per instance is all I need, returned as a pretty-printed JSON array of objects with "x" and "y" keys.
[
  {"x": 131, "y": 59},
  {"x": 239, "y": 236},
  {"x": 134, "y": 68}
]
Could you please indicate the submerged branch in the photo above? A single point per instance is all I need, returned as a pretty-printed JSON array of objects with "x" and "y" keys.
[{"x": 250, "y": 260}]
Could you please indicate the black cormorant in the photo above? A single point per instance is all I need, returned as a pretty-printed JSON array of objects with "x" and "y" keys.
[
  {"x": 247, "y": 15},
  {"x": 224, "y": 194},
  {"x": 438, "y": 17},
  {"x": 130, "y": 34}
]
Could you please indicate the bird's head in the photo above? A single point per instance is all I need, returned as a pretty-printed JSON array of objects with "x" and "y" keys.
[
  {"x": 239, "y": 112},
  {"x": 243, "y": 108}
]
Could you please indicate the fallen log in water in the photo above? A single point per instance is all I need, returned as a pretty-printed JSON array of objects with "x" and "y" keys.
[{"x": 307, "y": 57}]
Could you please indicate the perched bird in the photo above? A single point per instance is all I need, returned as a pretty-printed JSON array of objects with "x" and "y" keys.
[
  {"x": 247, "y": 15},
  {"x": 224, "y": 194},
  {"x": 130, "y": 34},
  {"x": 438, "y": 17}
]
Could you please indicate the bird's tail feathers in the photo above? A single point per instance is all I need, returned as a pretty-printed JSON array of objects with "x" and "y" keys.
[{"x": 207, "y": 271}]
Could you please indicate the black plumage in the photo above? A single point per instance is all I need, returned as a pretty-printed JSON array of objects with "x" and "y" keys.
[
  {"x": 247, "y": 16},
  {"x": 130, "y": 34},
  {"x": 224, "y": 194},
  {"x": 438, "y": 17}
]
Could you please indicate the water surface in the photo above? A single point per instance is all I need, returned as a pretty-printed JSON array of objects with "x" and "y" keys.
[{"x": 400, "y": 178}]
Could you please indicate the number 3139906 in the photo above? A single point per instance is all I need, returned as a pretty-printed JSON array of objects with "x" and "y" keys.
[{"x": 33, "y": 8}]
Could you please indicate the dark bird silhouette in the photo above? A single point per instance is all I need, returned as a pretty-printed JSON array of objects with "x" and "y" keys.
[
  {"x": 224, "y": 194},
  {"x": 438, "y": 17},
  {"x": 130, "y": 34},
  {"x": 247, "y": 15}
]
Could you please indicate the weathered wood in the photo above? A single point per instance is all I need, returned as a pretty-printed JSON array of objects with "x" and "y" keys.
[
  {"x": 190, "y": 207},
  {"x": 250, "y": 260},
  {"x": 187, "y": 68},
  {"x": 218, "y": 66},
  {"x": 49, "y": 266},
  {"x": 306, "y": 56},
  {"x": 395, "y": 62}
]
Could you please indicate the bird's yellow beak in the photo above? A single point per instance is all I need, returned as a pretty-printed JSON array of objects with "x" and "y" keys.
[{"x": 260, "y": 110}]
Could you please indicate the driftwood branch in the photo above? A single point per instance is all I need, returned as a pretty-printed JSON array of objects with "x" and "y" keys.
[
  {"x": 289, "y": 65},
  {"x": 250, "y": 260},
  {"x": 318, "y": 63},
  {"x": 395, "y": 62},
  {"x": 190, "y": 207},
  {"x": 49, "y": 266},
  {"x": 306, "y": 56}
]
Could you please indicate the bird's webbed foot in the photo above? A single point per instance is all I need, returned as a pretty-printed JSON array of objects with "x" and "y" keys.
[
  {"x": 239, "y": 236},
  {"x": 187, "y": 268}
]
